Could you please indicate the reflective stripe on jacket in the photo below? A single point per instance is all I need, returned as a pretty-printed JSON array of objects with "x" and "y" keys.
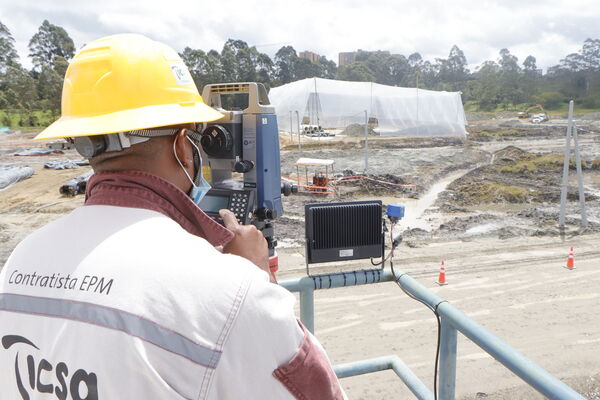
[{"x": 122, "y": 303}]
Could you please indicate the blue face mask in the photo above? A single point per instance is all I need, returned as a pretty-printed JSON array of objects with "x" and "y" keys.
[{"x": 199, "y": 185}]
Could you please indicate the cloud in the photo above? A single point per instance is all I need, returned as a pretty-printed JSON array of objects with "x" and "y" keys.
[{"x": 548, "y": 30}]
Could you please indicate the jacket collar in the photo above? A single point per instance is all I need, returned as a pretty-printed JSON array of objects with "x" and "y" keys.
[{"x": 138, "y": 189}]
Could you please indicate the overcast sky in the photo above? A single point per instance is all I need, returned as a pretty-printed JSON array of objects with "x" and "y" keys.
[{"x": 548, "y": 30}]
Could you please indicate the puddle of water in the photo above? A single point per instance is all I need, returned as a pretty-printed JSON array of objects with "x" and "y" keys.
[
  {"x": 418, "y": 211},
  {"x": 415, "y": 208}
]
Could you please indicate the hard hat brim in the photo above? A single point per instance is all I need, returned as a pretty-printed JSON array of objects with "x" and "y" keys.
[{"x": 129, "y": 120}]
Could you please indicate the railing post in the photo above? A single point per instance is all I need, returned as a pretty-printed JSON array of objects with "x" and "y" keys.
[
  {"x": 447, "y": 362},
  {"x": 307, "y": 308}
]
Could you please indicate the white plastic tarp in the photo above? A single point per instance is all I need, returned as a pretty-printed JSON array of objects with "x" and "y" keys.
[
  {"x": 398, "y": 111},
  {"x": 11, "y": 174}
]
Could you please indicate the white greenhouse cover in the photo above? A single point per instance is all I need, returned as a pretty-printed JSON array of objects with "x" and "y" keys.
[{"x": 399, "y": 111}]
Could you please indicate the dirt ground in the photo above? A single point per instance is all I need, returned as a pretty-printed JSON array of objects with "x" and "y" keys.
[
  {"x": 486, "y": 205},
  {"x": 516, "y": 288}
]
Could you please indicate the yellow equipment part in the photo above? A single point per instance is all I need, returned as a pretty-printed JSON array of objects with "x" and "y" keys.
[{"x": 127, "y": 82}]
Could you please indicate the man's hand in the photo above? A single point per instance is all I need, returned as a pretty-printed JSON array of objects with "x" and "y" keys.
[{"x": 248, "y": 242}]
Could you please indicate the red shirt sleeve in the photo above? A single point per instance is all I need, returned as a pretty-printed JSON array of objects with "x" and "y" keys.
[{"x": 308, "y": 375}]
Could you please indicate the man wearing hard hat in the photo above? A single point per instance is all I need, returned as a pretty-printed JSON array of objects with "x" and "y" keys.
[{"x": 139, "y": 294}]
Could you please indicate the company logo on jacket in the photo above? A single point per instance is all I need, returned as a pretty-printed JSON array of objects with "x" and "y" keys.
[{"x": 48, "y": 378}]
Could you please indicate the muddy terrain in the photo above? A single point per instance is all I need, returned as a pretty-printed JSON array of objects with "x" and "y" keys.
[
  {"x": 499, "y": 182},
  {"x": 487, "y": 204}
]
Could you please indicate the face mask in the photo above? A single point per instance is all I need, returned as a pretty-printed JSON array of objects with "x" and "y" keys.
[{"x": 199, "y": 185}]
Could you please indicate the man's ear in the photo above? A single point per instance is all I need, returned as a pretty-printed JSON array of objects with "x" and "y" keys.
[{"x": 183, "y": 149}]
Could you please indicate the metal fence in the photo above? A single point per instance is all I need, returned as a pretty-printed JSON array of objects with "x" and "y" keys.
[{"x": 452, "y": 321}]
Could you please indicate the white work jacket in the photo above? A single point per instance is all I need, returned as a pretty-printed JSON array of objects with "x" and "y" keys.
[{"x": 122, "y": 303}]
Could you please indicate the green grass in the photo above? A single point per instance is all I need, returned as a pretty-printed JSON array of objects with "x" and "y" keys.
[
  {"x": 20, "y": 119},
  {"x": 560, "y": 111},
  {"x": 512, "y": 194},
  {"x": 496, "y": 133},
  {"x": 577, "y": 109},
  {"x": 497, "y": 193},
  {"x": 534, "y": 163}
]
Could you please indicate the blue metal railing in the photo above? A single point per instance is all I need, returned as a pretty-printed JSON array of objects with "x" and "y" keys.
[{"x": 452, "y": 321}]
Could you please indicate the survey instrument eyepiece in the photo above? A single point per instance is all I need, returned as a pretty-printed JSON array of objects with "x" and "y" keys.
[
  {"x": 217, "y": 141},
  {"x": 244, "y": 141}
]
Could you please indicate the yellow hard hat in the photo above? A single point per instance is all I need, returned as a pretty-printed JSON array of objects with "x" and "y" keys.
[{"x": 123, "y": 83}]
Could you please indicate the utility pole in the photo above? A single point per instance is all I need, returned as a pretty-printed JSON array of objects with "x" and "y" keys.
[
  {"x": 298, "y": 120},
  {"x": 317, "y": 102},
  {"x": 565, "y": 179},
  {"x": 572, "y": 132},
  {"x": 584, "y": 222},
  {"x": 291, "y": 130},
  {"x": 366, "y": 141}
]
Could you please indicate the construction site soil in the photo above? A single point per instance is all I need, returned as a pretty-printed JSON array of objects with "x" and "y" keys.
[{"x": 466, "y": 200}]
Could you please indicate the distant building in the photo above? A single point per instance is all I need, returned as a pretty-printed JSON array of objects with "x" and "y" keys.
[
  {"x": 539, "y": 71},
  {"x": 552, "y": 70},
  {"x": 309, "y": 55},
  {"x": 346, "y": 58}
]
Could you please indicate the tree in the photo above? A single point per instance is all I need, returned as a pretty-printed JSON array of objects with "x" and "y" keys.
[
  {"x": 329, "y": 68},
  {"x": 238, "y": 61},
  {"x": 510, "y": 93},
  {"x": 8, "y": 54},
  {"x": 587, "y": 59},
  {"x": 529, "y": 80},
  {"x": 529, "y": 65},
  {"x": 49, "y": 42},
  {"x": 397, "y": 67},
  {"x": 11, "y": 98},
  {"x": 246, "y": 61},
  {"x": 453, "y": 70},
  {"x": 285, "y": 60},
  {"x": 590, "y": 53},
  {"x": 414, "y": 60},
  {"x": 305, "y": 68},
  {"x": 572, "y": 62},
  {"x": 60, "y": 66},
  {"x": 578, "y": 72},
  {"x": 264, "y": 69},
  {"x": 21, "y": 83},
  {"x": 415, "y": 63},
  {"x": 508, "y": 62},
  {"x": 428, "y": 75},
  {"x": 550, "y": 100},
  {"x": 486, "y": 90},
  {"x": 204, "y": 67},
  {"x": 357, "y": 71},
  {"x": 195, "y": 61},
  {"x": 49, "y": 88},
  {"x": 6, "y": 120}
]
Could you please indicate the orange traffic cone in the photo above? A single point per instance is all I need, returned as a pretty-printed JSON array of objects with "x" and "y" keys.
[
  {"x": 442, "y": 278},
  {"x": 570, "y": 260}
]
